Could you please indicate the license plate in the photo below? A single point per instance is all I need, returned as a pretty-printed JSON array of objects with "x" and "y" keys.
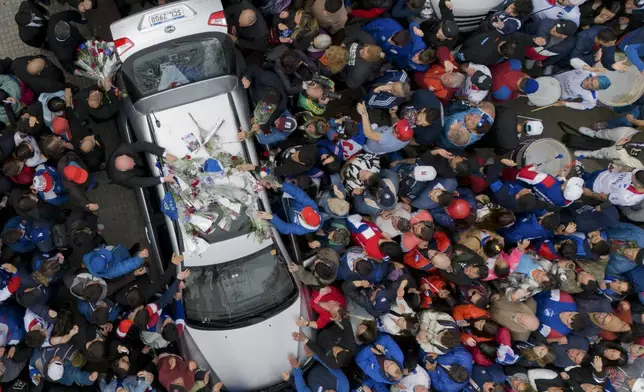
[{"x": 166, "y": 16}]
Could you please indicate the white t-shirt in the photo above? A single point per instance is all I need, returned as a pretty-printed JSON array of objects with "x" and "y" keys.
[
  {"x": 386, "y": 225},
  {"x": 618, "y": 187},
  {"x": 474, "y": 95}
]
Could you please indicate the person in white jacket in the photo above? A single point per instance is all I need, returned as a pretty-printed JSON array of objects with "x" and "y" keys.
[
  {"x": 416, "y": 381},
  {"x": 401, "y": 319},
  {"x": 578, "y": 83},
  {"x": 438, "y": 332}
]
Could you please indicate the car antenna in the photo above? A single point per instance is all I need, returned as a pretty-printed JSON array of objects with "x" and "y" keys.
[{"x": 156, "y": 120}]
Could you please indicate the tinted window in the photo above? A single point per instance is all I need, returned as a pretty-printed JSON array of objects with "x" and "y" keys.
[
  {"x": 242, "y": 289},
  {"x": 178, "y": 63}
]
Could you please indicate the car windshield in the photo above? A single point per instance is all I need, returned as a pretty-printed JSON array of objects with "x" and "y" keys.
[
  {"x": 239, "y": 290},
  {"x": 178, "y": 63}
]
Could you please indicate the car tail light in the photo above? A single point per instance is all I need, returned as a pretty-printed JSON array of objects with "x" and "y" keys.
[
  {"x": 217, "y": 19},
  {"x": 123, "y": 45}
]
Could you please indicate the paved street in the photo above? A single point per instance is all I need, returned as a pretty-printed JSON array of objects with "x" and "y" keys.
[{"x": 118, "y": 207}]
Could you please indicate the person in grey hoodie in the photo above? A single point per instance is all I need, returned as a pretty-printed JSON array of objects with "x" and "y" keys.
[
  {"x": 12, "y": 360},
  {"x": 88, "y": 287},
  {"x": 322, "y": 272}
]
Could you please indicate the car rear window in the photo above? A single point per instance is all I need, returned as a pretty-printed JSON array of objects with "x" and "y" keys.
[
  {"x": 244, "y": 289},
  {"x": 179, "y": 62}
]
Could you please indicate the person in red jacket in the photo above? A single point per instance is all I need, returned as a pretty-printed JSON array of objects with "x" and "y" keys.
[
  {"x": 509, "y": 81},
  {"x": 476, "y": 324},
  {"x": 330, "y": 305},
  {"x": 369, "y": 236}
]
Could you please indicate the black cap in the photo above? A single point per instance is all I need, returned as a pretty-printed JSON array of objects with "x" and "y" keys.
[
  {"x": 450, "y": 29},
  {"x": 481, "y": 80},
  {"x": 566, "y": 27}
]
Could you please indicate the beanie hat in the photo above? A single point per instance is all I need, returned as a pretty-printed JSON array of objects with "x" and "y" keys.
[
  {"x": 60, "y": 126},
  {"x": 530, "y": 86},
  {"x": 604, "y": 82},
  {"x": 55, "y": 370},
  {"x": 310, "y": 217},
  {"x": 43, "y": 182},
  {"x": 75, "y": 173}
]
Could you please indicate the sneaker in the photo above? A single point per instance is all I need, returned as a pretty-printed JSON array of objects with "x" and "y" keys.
[
  {"x": 581, "y": 154},
  {"x": 587, "y": 131},
  {"x": 548, "y": 70}
]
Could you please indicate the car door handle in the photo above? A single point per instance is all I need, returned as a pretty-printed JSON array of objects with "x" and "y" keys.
[{"x": 147, "y": 235}]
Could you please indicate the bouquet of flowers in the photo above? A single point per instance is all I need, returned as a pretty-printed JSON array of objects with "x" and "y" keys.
[{"x": 97, "y": 60}]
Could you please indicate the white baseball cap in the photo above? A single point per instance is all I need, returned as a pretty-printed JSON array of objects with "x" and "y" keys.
[
  {"x": 424, "y": 173},
  {"x": 533, "y": 128},
  {"x": 55, "y": 370},
  {"x": 638, "y": 386},
  {"x": 575, "y": 181},
  {"x": 572, "y": 193}
]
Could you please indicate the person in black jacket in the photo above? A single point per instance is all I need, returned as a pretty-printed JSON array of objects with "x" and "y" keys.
[
  {"x": 293, "y": 68},
  {"x": 467, "y": 266},
  {"x": 77, "y": 180},
  {"x": 89, "y": 146},
  {"x": 553, "y": 41},
  {"x": 32, "y": 24},
  {"x": 99, "y": 105},
  {"x": 39, "y": 73},
  {"x": 490, "y": 47},
  {"x": 335, "y": 345},
  {"x": 141, "y": 291},
  {"x": 248, "y": 28},
  {"x": 365, "y": 58},
  {"x": 64, "y": 38},
  {"x": 440, "y": 32},
  {"x": 126, "y": 166},
  {"x": 267, "y": 93}
]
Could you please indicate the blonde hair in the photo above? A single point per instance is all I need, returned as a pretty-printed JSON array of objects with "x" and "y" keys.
[
  {"x": 308, "y": 25},
  {"x": 335, "y": 58},
  {"x": 374, "y": 53}
]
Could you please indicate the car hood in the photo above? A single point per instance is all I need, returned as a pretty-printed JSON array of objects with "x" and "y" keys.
[{"x": 250, "y": 358}]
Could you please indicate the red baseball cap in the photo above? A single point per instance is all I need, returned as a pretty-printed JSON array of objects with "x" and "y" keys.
[
  {"x": 60, "y": 126},
  {"x": 405, "y": 132},
  {"x": 310, "y": 216},
  {"x": 75, "y": 173}
]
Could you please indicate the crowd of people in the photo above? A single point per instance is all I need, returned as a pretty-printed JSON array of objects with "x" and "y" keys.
[{"x": 440, "y": 263}]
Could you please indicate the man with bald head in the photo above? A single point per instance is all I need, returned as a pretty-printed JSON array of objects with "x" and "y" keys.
[
  {"x": 247, "y": 26},
  {"x": 39, "y": 74},
  {"x": 126, "y": 166}
]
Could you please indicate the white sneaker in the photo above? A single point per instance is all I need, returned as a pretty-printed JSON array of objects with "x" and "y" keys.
[
  {"x": 548, "y": 70},
  {"x": 581, "y": 154},
  {"x": 587, "y": 131}
]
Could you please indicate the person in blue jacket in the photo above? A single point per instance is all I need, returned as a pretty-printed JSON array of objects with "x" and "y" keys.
[
  {"x": 513, "y": 195},
  {"x": 389, "y": 90},
  {"x": 356, "y": 265},
  {"x": 12, "y": 329},
  {"x": 443, "y": 218},
  {"x": 391, "y": 37},
  {"x": 303, "y": 213},
  {"x": 25, "y": 235},
  {"x": 633, "y": 45},
  {"x": 437, "y": 193},
  {"x": 449, "y": 372},
  {"x": 54, "y": 364},
  {"x": 407, "y": 9},
  {"x": 636, "y": 277},
  {"x": 382, "y": 362},
  {"x": 540, "y": 224},
  {"x": 319, "y": 378},
  {"x": 49, "y": 185},
  {"x": 486, "y": 379},
  {"x": 110, "y": 262},
  {"x": 627, "y": 241},
  {"x": 589, "y": 218},
  {"x": 588, "y": 42},
  {"x": 99, "y": 312}
]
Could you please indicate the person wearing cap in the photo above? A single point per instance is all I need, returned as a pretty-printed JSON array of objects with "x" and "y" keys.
[
  {"x": 507, "y": 131},
  {"x": 295, "y": 158},
  {"x": 389, "y": 90},
  {"x": 125, "y": 166},
  {"x": 54, "y": 364},
  {"x": 442, "y": 32},
  {"x": 509, "y": 81},
  {"x": 488, "y": 48},
  {"x": 425, "y": 114},
  {"x": 31, "y": 19},
  {"x": 383, "y": 198},
  {"x": 77, "y": 180},
  {"x": 279, "y": 131},
  {"x": 467, "y": 126},
  {"x": 385, "y": 139},
  {"x": 556, "y": 9},
  {"x": 303, "y": 213},
  {"x": 314, "y": 96},
  {"x": 582, "y": 84},
  {"x": 553, "y": 41},
  {"x": 477, "y": 83},
  {"x": 48, "y": 184},
  {"x": 64, "y": 38},
  {"x": 556, "y": 192},
  {"x": 590, "y": 41},
  {"x": 318, "y": 46}
]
